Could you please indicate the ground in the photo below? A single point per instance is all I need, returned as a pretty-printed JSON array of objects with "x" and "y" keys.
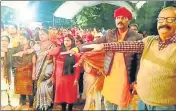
[{"x": 79, "y": 106}]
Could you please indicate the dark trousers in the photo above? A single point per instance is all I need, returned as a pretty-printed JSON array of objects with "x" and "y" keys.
[
  {"x": 81, "y": 82},
  {"x": 31, "y": 98},
  {"x": 70, "y": 107},
  {"x": 23, "y": 100}
]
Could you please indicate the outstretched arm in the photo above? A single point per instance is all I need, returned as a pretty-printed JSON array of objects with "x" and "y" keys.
[
  {"x": 126, "y": 46},
  {"x": 81, "y": 48},
  {"x": 54, "y": 51},
  {"x": 123, "y": 47}
]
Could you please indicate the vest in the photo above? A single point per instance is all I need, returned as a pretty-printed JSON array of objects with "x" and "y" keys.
[{"x": 156, "y": 79}]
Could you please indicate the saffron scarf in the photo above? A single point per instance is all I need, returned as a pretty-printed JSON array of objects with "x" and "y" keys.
[{"x": 96, "y": 61}]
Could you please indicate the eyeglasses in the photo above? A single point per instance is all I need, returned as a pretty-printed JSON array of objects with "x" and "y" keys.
[{"x": 168, "y": 19}]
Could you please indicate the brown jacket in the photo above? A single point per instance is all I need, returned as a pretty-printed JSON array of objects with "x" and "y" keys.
[{"x": 131, "y": 59}]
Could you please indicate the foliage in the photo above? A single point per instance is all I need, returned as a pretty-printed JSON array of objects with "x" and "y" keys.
[
  {"x": 61, "y": 22},
  {"x": 170, "y": 3},
  {"x": 96, "y": 16},
  {"x": 148, "y": 13},
  {"x": 102, "y": 16}
]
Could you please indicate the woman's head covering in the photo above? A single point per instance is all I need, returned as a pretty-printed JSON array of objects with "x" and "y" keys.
[{"x": 89, "y": 37}]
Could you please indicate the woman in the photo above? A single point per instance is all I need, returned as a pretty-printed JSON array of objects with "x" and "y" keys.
[
  {"x": 44, "y": 71},
  {"x": 25, "y": 72},
  {"x": 93, "y": 63},
  {"x": 28, "y": 32},
  {"x": 79, "y": 41},
  {"x": 65, "y": 76}
]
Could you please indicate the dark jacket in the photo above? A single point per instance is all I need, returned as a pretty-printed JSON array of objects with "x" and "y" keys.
[
  {"x": 131, "y": 59},
  {"x": 8, "y": 62}
]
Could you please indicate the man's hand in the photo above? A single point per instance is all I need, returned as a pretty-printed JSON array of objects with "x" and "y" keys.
[{"x": 95, "y": 47}]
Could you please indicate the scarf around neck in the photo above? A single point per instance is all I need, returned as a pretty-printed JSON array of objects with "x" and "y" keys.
[{"x": 69, "y": 62}]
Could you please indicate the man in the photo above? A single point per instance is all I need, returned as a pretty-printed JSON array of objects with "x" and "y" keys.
[
  {"x": 134, "y": 27},
  {"x": 8, "y": 99},
  {"x": 156, "y": 78},
  {"x": 5, "y": 78},
  {"x": 119, "y": 68}
]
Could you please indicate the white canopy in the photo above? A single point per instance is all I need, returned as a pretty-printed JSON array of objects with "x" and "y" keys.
[{"x": 70, "y": 8}]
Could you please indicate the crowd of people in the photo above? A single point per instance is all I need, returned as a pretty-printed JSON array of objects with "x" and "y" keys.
[
  {"x": 47, "y": 67},
  {"x": 18, "y": 60}
]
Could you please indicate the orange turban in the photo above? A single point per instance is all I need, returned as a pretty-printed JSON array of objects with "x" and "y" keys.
[{"x": 122, "y": 11}]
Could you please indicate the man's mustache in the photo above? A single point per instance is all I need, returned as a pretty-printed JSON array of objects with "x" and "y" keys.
[
  {"x": 120, "y": 23},
  {"x": 164, "y": 26}
]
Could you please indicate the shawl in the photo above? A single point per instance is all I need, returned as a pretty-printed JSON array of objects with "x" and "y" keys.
[{"x": 96, "y": 61}]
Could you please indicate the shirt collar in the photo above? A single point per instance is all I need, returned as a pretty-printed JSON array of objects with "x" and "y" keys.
[{"x": 170, "y": 40}]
